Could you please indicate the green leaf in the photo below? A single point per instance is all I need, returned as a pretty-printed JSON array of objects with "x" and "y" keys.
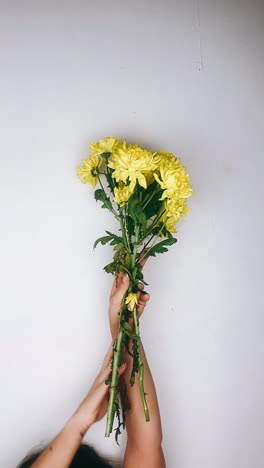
[
  {"x": 135, "y": 211},
  {"x": 112, "y": 238},
  {"x": 111, "y": 181},
  {"x": 128, "y": 331},
  {"x": 102, "y": 240},
  {"x": 160, "y": 231},
  {"x": 161, "y": 247},
  {"x": 124, "y": 269},
  {"x": 151, "y": 198},
  {"x": 130, "y": 226},
  {"x": 122, "y": 257},
  {"x": 140, "y": 279},
  {"x": 111, "y": 268},
  {"x": 154, "y": 205},
  {"x": 135, "y": 368},
  {"x": 115, "y": 239},
  {"x": 101, "y": 196},
  {"x": 127, "y": 327}
]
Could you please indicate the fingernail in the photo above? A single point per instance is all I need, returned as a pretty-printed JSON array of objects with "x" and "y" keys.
[{"x": 125, "y": 278}]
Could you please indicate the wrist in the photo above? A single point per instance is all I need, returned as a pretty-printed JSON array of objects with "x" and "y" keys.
[
  {"x": 114, "y": 334},
  {"x": 80, "y": 422}
]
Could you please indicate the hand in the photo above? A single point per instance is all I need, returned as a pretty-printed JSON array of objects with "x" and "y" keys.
[
  {"x": 118, "y": 291},
  {"x": 94, "y": 405}
]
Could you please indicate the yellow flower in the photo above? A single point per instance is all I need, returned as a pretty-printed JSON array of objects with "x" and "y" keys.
[
  {"x": 170, "y": 224},
  {"x": 167, "y": 182},
  {"x": 88, "y": 172},
  {"x": 173, "y": 210},
  {"x": 132, "y": 300},
  {"x": 106, "y": 145},
  {"x": 166, "y": 160},
  {"x": 175, "y": 183},
  {"x": 174, "y": 180},
  {"x": 132, "y": 163},
  {"x": 122, "y": 194}
]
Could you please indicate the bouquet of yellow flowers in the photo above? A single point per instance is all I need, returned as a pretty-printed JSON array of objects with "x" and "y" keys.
[{"x": 147, "y": 193}]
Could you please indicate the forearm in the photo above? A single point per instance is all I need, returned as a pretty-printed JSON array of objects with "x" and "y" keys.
[
  {"x": 142, "y": 459},
  {"x": 149, "y": 431},
  {"x": 144, "y": 438},
  {"x": 60, "y": 452}
]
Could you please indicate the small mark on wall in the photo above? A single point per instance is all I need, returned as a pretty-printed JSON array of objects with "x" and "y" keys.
[
  {"x": 228, "y": 169},
  {"x": 200, "y": 63},
  {"x": 199, "y": 66}
]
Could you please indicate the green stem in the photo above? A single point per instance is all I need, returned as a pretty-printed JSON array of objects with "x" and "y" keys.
[
  {"x": 151, "y": 227},
  {"x": 145, "y": 255},
  {"x": 111, "y": 209},
  {"x": 149, "y": 199},
  {"x": 136, "y": 324},
  {"x": 118, "y": 350},
  {"x": 141, "y": 367},
  {"x": 135, "y": 250},
  {"x": 113, "y": 404},
  {"x": 124, "y": 228},
  {"x": 147, "y": 243}
]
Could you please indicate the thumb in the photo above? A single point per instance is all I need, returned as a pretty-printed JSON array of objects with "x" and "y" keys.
[
  {"x": 122, "y": 369},
  {"x": 122, "y": 289}
]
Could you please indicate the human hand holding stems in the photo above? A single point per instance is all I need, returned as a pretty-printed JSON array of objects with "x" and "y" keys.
[
  {"x": 144, "y": 440},
  {"x": 94, "y": 406}
]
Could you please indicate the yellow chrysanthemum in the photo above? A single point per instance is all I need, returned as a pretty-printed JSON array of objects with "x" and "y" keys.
[
  {"x": 132, "y": 163},
  {"x": 170, "y": 224},
  {"x": 88, "y": 172},
  {"x": 166, "y": 160},
  {"x": 122, "y": 194},
  {"x": 173, "y": 210},
  {"x": 131, "y": 300},
  {"x": 174, "y": 181},
  {"x": 105, "y": 145}
]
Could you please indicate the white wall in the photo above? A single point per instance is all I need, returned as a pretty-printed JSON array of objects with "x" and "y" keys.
[{"x": 176, "y": 75}]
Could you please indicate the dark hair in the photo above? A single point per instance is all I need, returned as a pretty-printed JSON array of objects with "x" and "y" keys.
[{"x": 85, "y": 457}]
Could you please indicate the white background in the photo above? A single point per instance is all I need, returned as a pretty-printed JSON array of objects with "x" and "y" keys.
[{"x": 181, "y": 76}]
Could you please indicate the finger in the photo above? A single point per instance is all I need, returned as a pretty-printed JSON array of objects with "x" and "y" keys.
[
  {"x": 140, "y": 287},
  {"x": 108, "y": 357},
  {"x": 121, "y": 290},
  {"x": 143, "y": 298},
  {"x": 105, "y": 374},
  {"x": 107, "y": 370},
  {"x": 142, "y": 263},
  {"x": 116, "y": 283},
  {"x": 122, "y": 368},
  {"x": 142, "y": 302}
]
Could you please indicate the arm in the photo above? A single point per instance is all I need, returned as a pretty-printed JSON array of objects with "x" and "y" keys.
[
  {"x": 60, "y": 452},
  {"x": 143, "y": 438}
]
